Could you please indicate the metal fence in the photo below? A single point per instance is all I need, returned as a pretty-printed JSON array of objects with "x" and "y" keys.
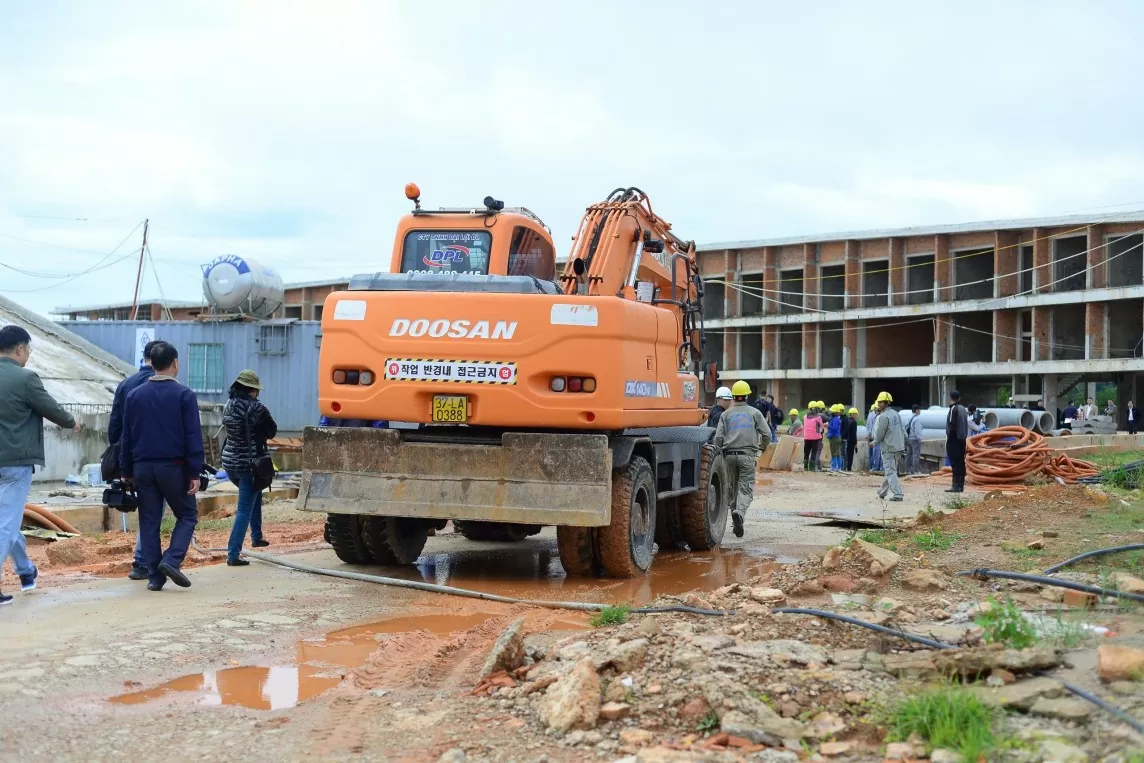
[{"x": 284, "y": 354}]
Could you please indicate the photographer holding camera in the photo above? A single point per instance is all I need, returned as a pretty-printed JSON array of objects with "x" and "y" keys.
[
  {"x": 24, "y": 404},
  {"x": 161, "y": 453}
]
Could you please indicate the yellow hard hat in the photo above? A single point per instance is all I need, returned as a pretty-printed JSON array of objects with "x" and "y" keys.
[
  {"x": 854, "y": 411},
  {"x": 884, "y": 397},
  {"x": 819, "y": 404},
  {"x": 740, "y": 389},
  {"x": 873, "y": 406},
  {"x": 837, "y": 408},
  {"x": 793, "y": 411}
]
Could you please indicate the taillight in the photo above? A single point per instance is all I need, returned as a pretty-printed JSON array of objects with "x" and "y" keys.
[
  {"x": 573, "y": 384},
  {"x": 342, "y": 376}
]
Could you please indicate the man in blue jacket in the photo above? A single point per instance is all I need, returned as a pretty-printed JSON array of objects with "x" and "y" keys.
[
  {"x": 162, "y": 454},
  {"x": 115, "y": 434}
]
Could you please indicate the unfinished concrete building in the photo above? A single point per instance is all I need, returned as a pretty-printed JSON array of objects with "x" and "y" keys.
[{"x": 1032, "y": 306}]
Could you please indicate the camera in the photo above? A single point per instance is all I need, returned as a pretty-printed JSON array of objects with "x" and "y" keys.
[
  {"x": 205, "y": 477},
  {"x": 118, "y": 495}
]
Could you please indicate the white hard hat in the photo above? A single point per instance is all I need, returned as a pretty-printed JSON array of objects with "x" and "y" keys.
[{"x": 723, "y": 393}]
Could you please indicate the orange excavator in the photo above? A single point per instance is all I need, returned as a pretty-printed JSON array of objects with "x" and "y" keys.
[{"x": 507, "y": 398}]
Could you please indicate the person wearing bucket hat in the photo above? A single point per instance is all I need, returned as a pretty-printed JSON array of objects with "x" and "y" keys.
[{"x": 248, "y": 426}]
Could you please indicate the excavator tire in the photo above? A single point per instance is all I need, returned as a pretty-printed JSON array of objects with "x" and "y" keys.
[
  {"x": 577, "y": 546},
  {"x": 495, "y": 531},
  {"x": 627, "y": 544},
  {"x": 395, "y": 540},
  {"x": 668, "y": 525},
  {"x": 704, "y": 512},
  {"x": 344, "y": 533}
]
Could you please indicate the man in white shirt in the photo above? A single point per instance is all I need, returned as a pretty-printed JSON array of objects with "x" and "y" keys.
[{"x": 1090, "y": 410}]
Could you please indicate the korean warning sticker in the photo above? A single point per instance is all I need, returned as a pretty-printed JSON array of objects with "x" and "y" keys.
[{"x": 460, "y": 371}]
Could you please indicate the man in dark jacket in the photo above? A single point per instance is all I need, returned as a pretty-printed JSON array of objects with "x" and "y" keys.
[
  {"x": 162, "y": 453},
  {"x": 956, "y": 432},
  {"x": 115, "y": 434},
  {"x": 24, "y": 404},
  {"x": 723, "y": 401}
]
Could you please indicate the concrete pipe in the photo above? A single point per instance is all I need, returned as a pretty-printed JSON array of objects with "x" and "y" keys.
[
  {"x": 1009, "y": 417},
  {"x": 1045, "y": 422},
  {"x": 930, "y": 419},
  {"x": 863, "y": 432},
  {"x": 933, "y": 434}
]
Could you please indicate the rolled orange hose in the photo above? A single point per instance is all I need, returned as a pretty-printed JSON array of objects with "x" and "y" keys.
[
  {"x": 61, "y": 524},
  {"x": 1010, "y": 455},
  {"x": 33, "y": 518}
]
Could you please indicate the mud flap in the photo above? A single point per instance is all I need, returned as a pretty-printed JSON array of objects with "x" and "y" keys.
[{"x": 543, "y": 479}]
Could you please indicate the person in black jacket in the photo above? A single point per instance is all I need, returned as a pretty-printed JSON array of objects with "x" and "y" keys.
[
  {"x": 248, "y": 426},
  {"x": 115, "y": 434}
]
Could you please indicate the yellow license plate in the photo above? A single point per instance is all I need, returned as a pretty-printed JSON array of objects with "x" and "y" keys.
[{"x": 450, "y": 409}]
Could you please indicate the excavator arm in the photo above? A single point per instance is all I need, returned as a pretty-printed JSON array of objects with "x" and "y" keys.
[{"x": 622, "y": 244}]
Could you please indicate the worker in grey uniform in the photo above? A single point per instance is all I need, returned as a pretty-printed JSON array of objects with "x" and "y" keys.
[
  {"x": 914, "y": 442},
  {"x": 741, "y": 434},
  {"x": 890, "y": 438}
]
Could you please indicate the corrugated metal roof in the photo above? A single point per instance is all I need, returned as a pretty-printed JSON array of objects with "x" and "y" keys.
[
  {"x": 317, "y": 284},
  {"x": 170, "y": 303},
  {"x": 933, "y": 230},
  {"x": 74, "y": 371}
]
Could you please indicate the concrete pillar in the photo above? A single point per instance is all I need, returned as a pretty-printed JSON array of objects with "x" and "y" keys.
[
  {"x": 853, "y": 275},
  {"x": 858, "y": 397},
  {"x": 810, "y": 283},
  {"x": 897, "y": 271},
  {"x": 1042, "y": 334},
  {"x": 1049, "y": 393},
  {"x": 1018, "y": 386},
  {"x": 942, "y": 270},
  {"x": 810, "y": 345},
  {"x": 730, "y": 294},
  {"x": 942, "y": 344},
  {"x": 156, "y": 311},
  {"x": 770, "y": 348},
  {"x": 1095, "y": 330},
  {"x": 731, "y": 349},
  {"x": 1004, "y": 333},
  {"x": 1042, "y": 263},
  {"x": 861, "y": 344},
  {"x": 1096, "y": 276},
  {"x": 850, "y": 344},
  {"x": 1006, "y": 263},
  {"x": 771, "y": 279}
]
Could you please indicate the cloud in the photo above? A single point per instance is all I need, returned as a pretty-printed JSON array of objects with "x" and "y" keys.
[{"x": 286, "y": 130}]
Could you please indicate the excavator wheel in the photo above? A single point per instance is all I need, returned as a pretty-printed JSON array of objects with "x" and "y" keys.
[
  {"x": 344, "y": 533},
  {"x": 626, "y": 545},
  {"x": 495, "y": 531},
  {"x": 668, "y": 525},
  {"x": 577, "y": 546},
  {"x": 704, "y": 512},
  {"x": 395, "y": 540}
]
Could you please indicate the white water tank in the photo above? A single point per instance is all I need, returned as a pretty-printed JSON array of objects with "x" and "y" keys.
[{"x": 239, "y": 284}]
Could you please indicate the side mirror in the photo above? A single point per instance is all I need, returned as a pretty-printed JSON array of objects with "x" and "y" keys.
[{"x": 711, "y": 377}]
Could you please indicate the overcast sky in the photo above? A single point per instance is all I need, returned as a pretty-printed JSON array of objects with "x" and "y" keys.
[{"x": 286, "y": 131}]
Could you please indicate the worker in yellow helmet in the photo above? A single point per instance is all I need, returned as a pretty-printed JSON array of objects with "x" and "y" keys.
[
  {"x": 795, "y": 429},
  {"x": 834, "y": 437},
  {"x": 741, "y": 434},
  {"x": 890, "y": 437},
  {"x": 850, "y": 440}
]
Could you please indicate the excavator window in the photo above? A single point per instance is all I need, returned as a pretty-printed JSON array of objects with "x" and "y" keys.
[
  {"x": 530, "y": 254},
  {"x": 448, "y": 251}
]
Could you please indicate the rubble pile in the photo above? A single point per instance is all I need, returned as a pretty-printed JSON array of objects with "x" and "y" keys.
[{"x": 781, "y": 687}]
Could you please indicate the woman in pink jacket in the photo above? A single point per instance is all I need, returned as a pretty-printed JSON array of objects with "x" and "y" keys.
[{"x": 812, "y": 427}]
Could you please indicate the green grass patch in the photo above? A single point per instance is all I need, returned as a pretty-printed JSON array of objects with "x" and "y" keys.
[
  {"x": 609, "y": 615},
  {"x": 953, "y": 504},
  {"x": 1022, "y": 552},
  {"x": 935, "y": 540},
  {"x": 709, "y": 722},
  {"x": 1005, "y": 624},
  {"x": 1111, "y": 459},
  {"x": 950, "y": 718}
]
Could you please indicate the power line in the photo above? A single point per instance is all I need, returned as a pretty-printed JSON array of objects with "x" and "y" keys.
[{"x": 101, "y": 265}]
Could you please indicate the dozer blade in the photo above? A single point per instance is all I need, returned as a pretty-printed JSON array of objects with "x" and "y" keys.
[{"x": 543, "y": 479}]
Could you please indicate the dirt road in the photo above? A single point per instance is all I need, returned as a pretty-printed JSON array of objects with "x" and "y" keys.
[{"x": 247, "y": 647}]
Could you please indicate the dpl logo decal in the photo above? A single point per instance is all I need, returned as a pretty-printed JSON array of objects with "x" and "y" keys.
[{"x": 439, "y": 258}]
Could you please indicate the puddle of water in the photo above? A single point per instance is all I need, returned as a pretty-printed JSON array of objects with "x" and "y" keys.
[
  {"x": 528, "y": 574},
  {"x": 316, "y": 666}
]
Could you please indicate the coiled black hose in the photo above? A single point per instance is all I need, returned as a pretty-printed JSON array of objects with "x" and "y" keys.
[
  {"x": 1054, "y": 582},
  {"x": 1090, "y": 554}
]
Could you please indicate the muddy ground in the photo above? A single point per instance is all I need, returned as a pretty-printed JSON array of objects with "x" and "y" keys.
[{"x": 263, "y": 663}]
